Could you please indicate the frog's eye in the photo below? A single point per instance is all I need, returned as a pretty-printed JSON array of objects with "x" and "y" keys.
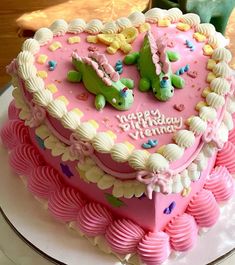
[
  {"x": 114, "y": 100},
  {"x": 119, "y": 103}
]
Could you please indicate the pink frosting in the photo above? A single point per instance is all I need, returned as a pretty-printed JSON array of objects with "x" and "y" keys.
[
  {"x": 13, "y": 112},
  {"x": 14, "y": 133},
  {"x": 123, "y": 236},
  {"x": 231, "y": 136},
  {"x": 183, "y": 232},
  {"x": 220, "y": 183},
  {"x": 204, "y": 209},
  {"x": 43, "y": 180},
  {"x": 154, "y": 248},
  {"x": 24, "y": 158},
  {"x": 38, "y": 114},
  {"x": 93, "y": 219},
  {"x": 225, "y": 157},
  {"x": 65, "y": 204}
]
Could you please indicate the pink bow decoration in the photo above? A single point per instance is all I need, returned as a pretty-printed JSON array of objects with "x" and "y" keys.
[
  {"x": 80, "y": 148},
  {"x": 154, "y": 178},
  {"x": 211, "y": 136}
]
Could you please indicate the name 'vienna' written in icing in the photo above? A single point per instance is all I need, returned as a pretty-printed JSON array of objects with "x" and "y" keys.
[{"x": 148, "y": 123}]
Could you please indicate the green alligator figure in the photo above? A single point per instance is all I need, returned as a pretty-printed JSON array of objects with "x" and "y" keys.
[
  {"x": 153, "y": 62},
  {"x": 100, "y": 78}
]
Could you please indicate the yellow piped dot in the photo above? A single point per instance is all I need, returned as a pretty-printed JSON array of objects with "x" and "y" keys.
[
  {"x": 206, "y": 91},
  {"x": 42, "y": 74},
  {"x": 112, "y": 134},
  {"x": 183, "y": 27},
  {"x": 208, "y": 50},
  {"x": 160, "y": 149},
  {"x": 164, "y": 22},
  {"x": 211, "y": 64},
  {"x": 200, "y": 105},
  {"x": 75, "y": 39},
  {"x": 42, "y": 58},
  {"x": 211, "y": 76},
  {"x": 94, "y": 123},
  {"x": 144, "y": 27},
  {"x": 64, "y": 99},
  {"x": 186, "y": 191},
  {"x": 52, "y": 88},
  {"x": 78, "y": 112},
  {"x": 129, "y": 145},
  {"x": 55, "y": 46},
  {"x": 92, "y": 39},
  {"x": 199, "y": 37}
]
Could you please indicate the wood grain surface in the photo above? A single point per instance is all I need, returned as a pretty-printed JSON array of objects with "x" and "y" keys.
[{"x": 19, "y": 19}]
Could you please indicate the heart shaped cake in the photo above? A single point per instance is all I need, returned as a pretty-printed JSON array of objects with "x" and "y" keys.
[{"x": 126, "y": 128}]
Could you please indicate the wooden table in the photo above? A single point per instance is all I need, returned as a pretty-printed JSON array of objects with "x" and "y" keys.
[{"x": 33, "y": 14}]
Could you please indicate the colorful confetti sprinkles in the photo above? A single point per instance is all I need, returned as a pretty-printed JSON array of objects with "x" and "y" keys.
[
  {"x": 52, "y": 65},
  {"x": 115, "y": 202},
  {"x": 179, "y": 107},
  {"x": 170, "y": 208},
  {"x": 150, "y": 144},
  {"x": 119, "y": 67},
  {"x": 65, "y": 169}
]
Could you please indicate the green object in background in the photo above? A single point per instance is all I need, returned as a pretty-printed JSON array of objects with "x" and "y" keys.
[{"x": 216, "y": 12}]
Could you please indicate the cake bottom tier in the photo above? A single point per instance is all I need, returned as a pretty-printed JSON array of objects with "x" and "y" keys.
[{"x": 118, "y": 233}]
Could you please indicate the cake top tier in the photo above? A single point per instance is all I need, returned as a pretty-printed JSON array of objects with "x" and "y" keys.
[{"x": 148, "y": 90}]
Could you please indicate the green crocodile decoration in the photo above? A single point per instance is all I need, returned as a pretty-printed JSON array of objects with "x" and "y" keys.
[
  {"x": 99, "y": 78},
  {"x": 153, "y": 62}
]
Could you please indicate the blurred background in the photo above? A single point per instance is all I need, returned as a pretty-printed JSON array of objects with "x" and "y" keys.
[{"x": 19, "y": 19}]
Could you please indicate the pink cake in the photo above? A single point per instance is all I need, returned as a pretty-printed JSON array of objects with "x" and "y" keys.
[{"x": 112, "y": 146}]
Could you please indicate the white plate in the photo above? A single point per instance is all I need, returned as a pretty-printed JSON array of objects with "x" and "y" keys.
[{"x": 32, "y": 221}]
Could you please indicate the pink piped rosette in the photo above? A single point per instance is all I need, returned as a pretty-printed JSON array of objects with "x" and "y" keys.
[
  {"x": 24, "y": 158},
  {"x": 13, "y": 112},
  {"x": 154, "y": 248},
  {"x": 204, "y": 209},
  {"x": 14, "y": 133},
  {"x": 93, "y": 219},
  {"x": 123, "y": 236},
  {"x": 65, "y": 203},
  {"x": 231, "y": 136},
  {"x": 43, "y": 180},
  {"x": 220, "y": 183},
  {"x": 225, "y": 157},
  {"x": 183, "y": 232}
]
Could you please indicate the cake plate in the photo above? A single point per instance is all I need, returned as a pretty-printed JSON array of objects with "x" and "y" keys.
[{"x": 64, "y": 246}]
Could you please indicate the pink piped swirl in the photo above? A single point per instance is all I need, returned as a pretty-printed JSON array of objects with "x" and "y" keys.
[
  {"x": 14, "y": 133},
  {"x": 231, "y": 136},
  {"x": 123, "y": 236},
  {"x": 93, "y": 219},
  {"x": 65, "y": 204},
  {"x": 13, "y": 112},
  {"x": 154, "y": 248},
  {"x": 183, "y": 232},
  {"x": 226, "y": 157},
  {"x": 24, "y": 158},
  {"x": 220, "y": 183},
  {"x": 44, "y": 180},
  {"x": 204, "y": 209}
]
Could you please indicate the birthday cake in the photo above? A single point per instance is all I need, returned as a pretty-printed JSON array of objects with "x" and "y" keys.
[{"x": 125, "y": 129}]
